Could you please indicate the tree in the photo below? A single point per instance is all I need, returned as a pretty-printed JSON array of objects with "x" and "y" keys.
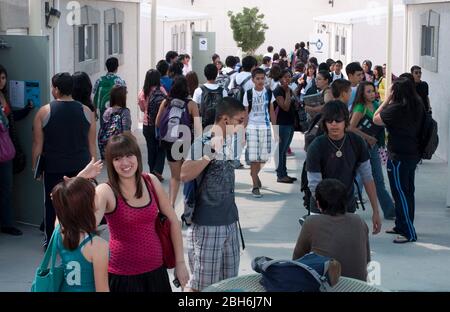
[{"x": 248, "y": 29}]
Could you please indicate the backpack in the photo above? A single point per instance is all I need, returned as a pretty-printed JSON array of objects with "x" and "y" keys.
[
  {"x": 310, "y": 273},
  {"x": 190, "y": 192},
  {"x": 175, "y": 115},
  {"x": 154, "y": 101},
  {"x": 250, "y": 99},
  {"x": 101, "y": 97},
  {"x": 303, "y": 55},
  {"x": 429, "y": 139},
  {"x": 109, "y": 128},
  {"x": 208, "y": 104},
  {"x": 223, "y": 80},
  {"x": 238, "y": 91}
]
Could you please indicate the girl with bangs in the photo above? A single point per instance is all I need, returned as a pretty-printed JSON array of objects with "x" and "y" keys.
[
  {"x": 130, "y": 201},
  {"x": 84, "y": 255}
]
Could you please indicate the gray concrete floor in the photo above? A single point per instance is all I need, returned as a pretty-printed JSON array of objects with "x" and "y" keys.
[{"x": 270, "y": 226}]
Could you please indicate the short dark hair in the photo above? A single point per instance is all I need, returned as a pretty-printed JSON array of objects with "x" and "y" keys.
[
  {"x": 152, "y": 79},
  {"x": 326, "y": 75},
  {"x": 181, "y": 57},
  {"x": 269, "y": 49},
  {"x": 248, "y": 63},
  {"x": 415, "y": 67},
  {"x": 408, "y": 76},
  {"x": 229, "y": 106},
  {"x": 162, "y": 67},
  {"x": 352, "y": 68},
  {"x": 179, "y": 88},
  {"x": 266, "y": 59},
  {"x": 332, "y": 196},
  {"x": 339, "y": 62},
  {"x": 324, "y": 66},
  {"x": 300, "y": 66},
  {"x": 340, "y": 86},
  {"x": 63, "y": 82},
  {"x": 215, "y": 57},
  {"x": 176, "y": 69},
  {"x": 211, "y": 72},
  {"x": 276, "y": 57},
  {"x": 297, "y": 46},
  {"x": 82, "y": 89},
  {"x": 231, "y": 61},
  {"x": 275, "y": 72},
  {"x": 302, "y": 45},
  {"x": 258, "y": 71},
  {"x": 170, "y": 56},
  {"x": 330, "y": 62},
  {"x": 314, "y": 61},
  {"x": 283, "y": 53},
  {"x": 112, "y": 64},
  {"x": 118, "y": 96},
  {"x": 332, "y": 110}
]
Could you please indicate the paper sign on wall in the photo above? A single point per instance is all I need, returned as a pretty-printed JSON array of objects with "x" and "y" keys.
[
  {"x": 203, "y": 44},
  {"x": 22, "y": 92}
]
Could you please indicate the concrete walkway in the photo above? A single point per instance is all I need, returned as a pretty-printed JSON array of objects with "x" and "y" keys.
[{"x": 270, "y": 227}]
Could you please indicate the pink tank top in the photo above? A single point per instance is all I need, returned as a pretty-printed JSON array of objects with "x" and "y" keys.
[{"x": 134, "y": 245}]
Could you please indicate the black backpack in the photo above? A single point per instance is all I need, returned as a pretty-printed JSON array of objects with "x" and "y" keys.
[
  {"x": 210, "y": 99},
  {"x": 154, "y": 101},
  {"x": 429, "y": 139},
  {"x": 238, "y": 90},
  {"x": 250, "y": 99}
]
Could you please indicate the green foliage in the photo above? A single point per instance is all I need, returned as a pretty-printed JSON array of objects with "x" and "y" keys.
[{"x": 248, "y": 29}]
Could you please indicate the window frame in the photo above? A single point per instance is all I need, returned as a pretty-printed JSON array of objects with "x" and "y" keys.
[
  {"x": 89, "y": 19},
  {"x": 429, "y": 40},
  {"x": 114, "y": 22}
]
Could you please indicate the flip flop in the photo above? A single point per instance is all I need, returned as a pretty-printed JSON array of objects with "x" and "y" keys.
[
  {"x": 391, "y": 231},
  {"x": 401, "y": 240}
]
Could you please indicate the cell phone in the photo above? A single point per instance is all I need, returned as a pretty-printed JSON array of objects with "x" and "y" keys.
[{"x": 176, "y": 283}]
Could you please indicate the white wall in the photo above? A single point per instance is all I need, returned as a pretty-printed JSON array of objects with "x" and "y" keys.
[
  {"x": 128, "y": 70},
  {"x": 438, "y": 82}
]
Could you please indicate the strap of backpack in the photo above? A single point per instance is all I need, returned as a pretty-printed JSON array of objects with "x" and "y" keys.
[
  {"x": 250, "y": 99},
  {"x": 242, "y": 84},
  {"x": 242, "y": 236},
  {"x": 322, "y": 280}
]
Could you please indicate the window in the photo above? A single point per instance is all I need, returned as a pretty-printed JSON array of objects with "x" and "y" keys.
[
  {"x": 336, "y": 44},
  {"x": 175, "y": 38},
  {"x": 343, "y": 45},
  {"x": 114, "y": 28},
  {"x": 429, "y": 44},
  {"x": 183, "y": 38},
  {"x": 86, "y": 35}
]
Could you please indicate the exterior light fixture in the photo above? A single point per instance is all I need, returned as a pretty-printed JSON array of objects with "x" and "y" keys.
[{"x": 52, "y": 16}]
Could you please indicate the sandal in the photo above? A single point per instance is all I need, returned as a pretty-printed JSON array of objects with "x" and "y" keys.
[
  {"x": 401, "y": 240},
  {"x": 391, "y": 231}
]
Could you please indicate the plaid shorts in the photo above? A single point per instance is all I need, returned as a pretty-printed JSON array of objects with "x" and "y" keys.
[
  {"x": 259, "y": 143},
  {"x": 213, "y": 253}
]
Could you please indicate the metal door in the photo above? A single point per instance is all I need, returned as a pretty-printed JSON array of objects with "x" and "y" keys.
[
  {"x": 203, "y": 47},
  {"x": 27, "y": 58}
]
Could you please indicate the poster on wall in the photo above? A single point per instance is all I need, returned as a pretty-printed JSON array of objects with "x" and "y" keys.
[
  {"x": 203, "y": 44},
  {"x": 21, "y": 93},
  {"x": 319, "y": 46}
]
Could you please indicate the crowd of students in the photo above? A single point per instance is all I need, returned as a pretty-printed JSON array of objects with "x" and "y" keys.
[{"x": 202, "y": 130}]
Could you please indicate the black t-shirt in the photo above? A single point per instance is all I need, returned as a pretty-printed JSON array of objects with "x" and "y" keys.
[
  {"x": 422, "y": 90},
  {"x": 321, "y": 157},
  {"x": 404, "y": 128},
  {"x": 284, "y": 118}
]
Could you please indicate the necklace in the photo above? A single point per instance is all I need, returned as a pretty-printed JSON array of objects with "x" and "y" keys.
[{"x": 338, "y": 152}]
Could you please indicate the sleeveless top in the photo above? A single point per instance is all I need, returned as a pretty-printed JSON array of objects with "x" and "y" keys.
[
  {"x": 134, "y": 245},
  {"x": 66, "y": 142},
  {"x": 78, "y": 272}
]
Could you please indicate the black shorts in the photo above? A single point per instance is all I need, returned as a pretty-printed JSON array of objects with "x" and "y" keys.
[
  {"x": 173, "y": 158},
  {"x": 154, "y": 281}
]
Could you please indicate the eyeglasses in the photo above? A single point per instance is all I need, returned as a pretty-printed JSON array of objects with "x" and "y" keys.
[{"x": 337, "y": 120}]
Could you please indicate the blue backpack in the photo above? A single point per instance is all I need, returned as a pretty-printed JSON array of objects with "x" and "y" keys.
[
  {"x": 109, "y": 128},
  {"x": 311, "y": 273},
  {"x": 176, "y": 114}
]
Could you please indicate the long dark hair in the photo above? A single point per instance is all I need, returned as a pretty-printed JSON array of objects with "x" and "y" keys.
[
  {"x": 3, "y": 71},
  {"x": 359, "y": 98},
  {"x": 118, "y": 96},
  {"x": 82, "y": 89},
  {"x": 192, "y": 82},
  {"x": 119, "y": 146},
  {"x": 179, "y": 88},
  {"x": 379, "y": 70},
  {"x": 404, "y": 93},
  {"x": 74, "y": 202},
  {"x": 152, "y": 79}
]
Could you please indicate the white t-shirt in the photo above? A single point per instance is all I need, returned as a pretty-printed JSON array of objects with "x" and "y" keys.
[
  {"x": 259, "y": 115},
  {"x": 197, "y": 98},
  {"x": 336, "y": 76},
  {"x": 239, "y": 78},
  {"x": 269, "y": 55}
]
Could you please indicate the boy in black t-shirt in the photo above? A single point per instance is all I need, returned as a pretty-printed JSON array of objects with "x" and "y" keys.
[{"x": 341, "y": 155}]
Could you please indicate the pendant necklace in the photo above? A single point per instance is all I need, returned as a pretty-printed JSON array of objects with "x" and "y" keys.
[{"x": 338, "y": 152}]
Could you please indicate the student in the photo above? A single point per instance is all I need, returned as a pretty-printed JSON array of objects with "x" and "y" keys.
[
  {"x": 175, "y": 69},
  {"x": 293, "y": 57},
  {"x": 402, "y": 113},
  {"x": 266, "y": 64},
  {"x": 337, "y": 73},
  {"x": 258, "y": 131},
  {"x": 82, "y": 89},
  {"x": 355, "y": 75},
  {"x": 244, "y": 78},
  {"x": 335, "y": 233},
  {"x": 421, "y": 87},
  {"x": 171, "y": 57},
  {"x": 274, "y": 77},
  {"x": 116, "y": 119},
  {"x": 284, "y": 60},
  {"x": 322, "y": 84},
  {"x": 341, "y": 155},
  {"x": 84, "y": 255},
  {"x": 269, "y": 52},
  {"x": 227, "y": 74},
  {"x": 63, "y": 131},
  {"x": 303, "y": 54},
  {"x": 379, "y": 83},
  {"x": 209, "y": 95},
  {"x": 341, "y": 89},
  {"x": 185, "y": 60},
  {"x": 284, "y": 119},
  {"x": 166, "y": 81},
  {"x": 149, "y": 100},
  {"x": 192, "y": 81},
  {"x": 213, "y": 236},
  {"x": 362, "y": 124},
  {"x": 104, "y": 84},
  {"x": 368, "y": 73},
  {"x": 331, "y": 65},
  {"x": 307, "y": 83},
  {"x": 215, "y": 58}
]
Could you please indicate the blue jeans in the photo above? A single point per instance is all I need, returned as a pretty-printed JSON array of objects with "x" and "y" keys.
[
  {"x": 6, "y": 189},
  {"x": 285, "y": 133},
  {"x": 385, "y": 200}
]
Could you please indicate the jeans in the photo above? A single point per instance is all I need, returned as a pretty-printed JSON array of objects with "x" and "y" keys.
[
  {"x": 6, "y": 189},
  {"x": 156, "y": 154},
  {"x": 401, "y": 178},
  {"x": 285, "y": 138},
  {"x": 385, "y": 200}
]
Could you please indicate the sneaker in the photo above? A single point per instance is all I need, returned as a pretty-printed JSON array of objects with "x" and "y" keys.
[
  {"x": 290, "y": 152},
  {"x": 11, "y": 230},
  {"x": 285, "y": 179},
  {"x": 293, "y": 179},
  {"x": 256, "y": 193}
]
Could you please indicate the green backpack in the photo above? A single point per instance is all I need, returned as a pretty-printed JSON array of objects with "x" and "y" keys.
[{"x": 101, "y": 97}]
